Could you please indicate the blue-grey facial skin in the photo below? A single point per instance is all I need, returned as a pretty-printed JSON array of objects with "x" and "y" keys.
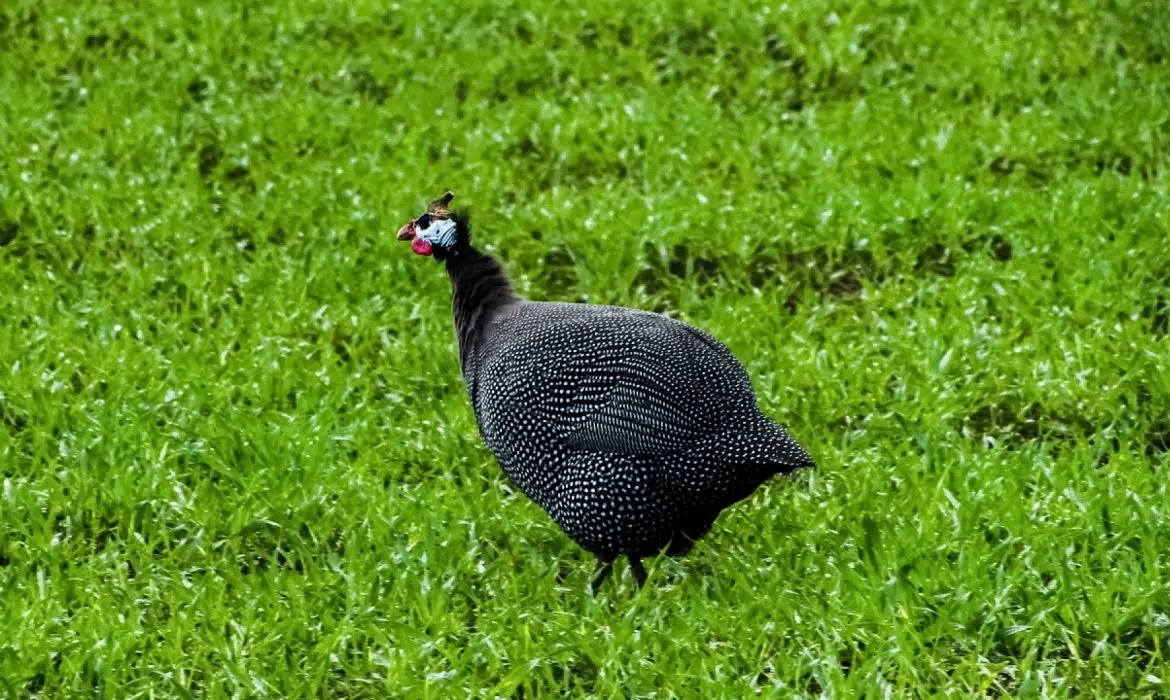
[{"x": 441, "y": 233}]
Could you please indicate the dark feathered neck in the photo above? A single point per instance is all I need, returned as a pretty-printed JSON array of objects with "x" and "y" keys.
[{"x": 479, "y": 288}]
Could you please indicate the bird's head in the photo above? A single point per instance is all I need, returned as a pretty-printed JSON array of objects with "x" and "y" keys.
[{"x": 439, "y": 232}]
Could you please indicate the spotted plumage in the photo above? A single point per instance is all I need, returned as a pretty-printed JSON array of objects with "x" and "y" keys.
[{"x": 632, "y": 430}]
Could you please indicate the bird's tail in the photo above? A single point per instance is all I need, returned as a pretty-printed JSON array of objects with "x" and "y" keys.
[
  {"x": 768, "y": 448},
  {"x": 748, "y": 456}
]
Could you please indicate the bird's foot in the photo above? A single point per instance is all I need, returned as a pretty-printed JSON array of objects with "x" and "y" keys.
[{"x": 638, "y": 570}]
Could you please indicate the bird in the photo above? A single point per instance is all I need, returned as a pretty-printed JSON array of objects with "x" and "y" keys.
[{"x": 633, "y": 431}]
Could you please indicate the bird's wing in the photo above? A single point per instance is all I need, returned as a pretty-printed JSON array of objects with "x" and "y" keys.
[{"x": 630, "y": 383}]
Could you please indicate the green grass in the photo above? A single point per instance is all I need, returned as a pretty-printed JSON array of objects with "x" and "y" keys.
[{"x": 236, "y": 455}]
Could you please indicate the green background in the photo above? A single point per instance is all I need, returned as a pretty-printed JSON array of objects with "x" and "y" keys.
[{"x": 237, "y": 459}]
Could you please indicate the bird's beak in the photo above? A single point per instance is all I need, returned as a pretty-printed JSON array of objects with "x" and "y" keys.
[{"x": 406, "y": 233}]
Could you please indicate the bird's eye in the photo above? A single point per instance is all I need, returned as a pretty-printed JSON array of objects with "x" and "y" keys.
[{"x": 423, "y": 221}]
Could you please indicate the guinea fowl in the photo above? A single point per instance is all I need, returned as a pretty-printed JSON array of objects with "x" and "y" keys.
[{"x": 630, "y": 429}]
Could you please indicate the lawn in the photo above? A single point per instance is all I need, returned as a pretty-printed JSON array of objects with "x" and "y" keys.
[{"x": 237, "y": 456}]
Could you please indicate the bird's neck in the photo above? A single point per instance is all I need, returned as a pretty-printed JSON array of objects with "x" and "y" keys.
[{"x": 479, "y": 289}]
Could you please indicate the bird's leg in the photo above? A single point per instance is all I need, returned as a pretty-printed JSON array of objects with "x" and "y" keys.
[
  {"x": 638, "y": 570},
  {"x": 604, "y": 569}
]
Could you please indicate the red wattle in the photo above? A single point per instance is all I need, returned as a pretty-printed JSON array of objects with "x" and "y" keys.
[{"x": 421, "y": 246}]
